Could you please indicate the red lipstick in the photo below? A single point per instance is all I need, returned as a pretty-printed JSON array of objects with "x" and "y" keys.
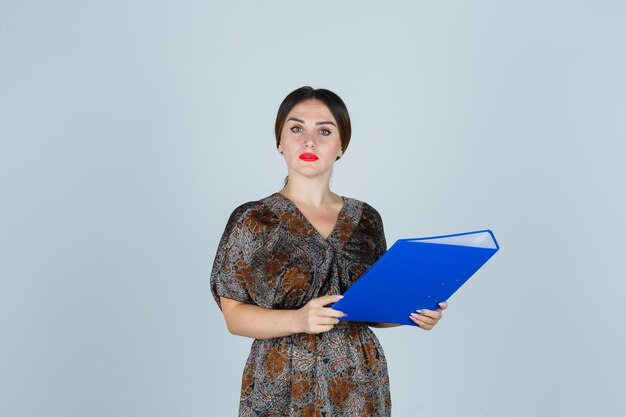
[{"x": 309, "y": 157}]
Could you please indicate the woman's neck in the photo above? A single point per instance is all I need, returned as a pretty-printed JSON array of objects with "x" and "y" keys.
[{"x": 312, "y": 192}]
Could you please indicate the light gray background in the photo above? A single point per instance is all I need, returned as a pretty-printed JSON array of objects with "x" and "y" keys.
[{"x": 130, "y": 130}]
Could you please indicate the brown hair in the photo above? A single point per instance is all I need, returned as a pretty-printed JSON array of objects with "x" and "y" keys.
[{"x": 334, "y": 103}]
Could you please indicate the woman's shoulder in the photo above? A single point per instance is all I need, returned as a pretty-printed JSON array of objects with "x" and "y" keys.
[
  {"x": 242, "y": 210},
  {"x": 366, "y": 209},
  {"x": 252, "y": 214}
]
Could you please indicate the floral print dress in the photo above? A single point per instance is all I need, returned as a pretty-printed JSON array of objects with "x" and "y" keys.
[{"x": 271, "y": 256}]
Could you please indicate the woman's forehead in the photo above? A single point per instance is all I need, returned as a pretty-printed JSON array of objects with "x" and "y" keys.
[{"x": 311, "y": 109}]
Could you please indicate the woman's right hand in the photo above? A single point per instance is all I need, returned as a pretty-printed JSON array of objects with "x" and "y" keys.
[{"x": 314, "y": 318}]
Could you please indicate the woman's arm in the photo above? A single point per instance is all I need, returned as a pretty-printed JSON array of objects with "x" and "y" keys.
[{"x": 265, "y": 323}]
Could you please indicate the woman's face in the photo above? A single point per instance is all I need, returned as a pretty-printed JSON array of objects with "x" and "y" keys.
[{"x": 309, "y": 139}]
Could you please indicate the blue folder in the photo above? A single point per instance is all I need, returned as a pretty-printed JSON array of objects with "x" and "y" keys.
[{"x": 416, "y": 274}]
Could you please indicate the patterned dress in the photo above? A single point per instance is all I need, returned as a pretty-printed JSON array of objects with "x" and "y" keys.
[{"x": 271, "y": 256}]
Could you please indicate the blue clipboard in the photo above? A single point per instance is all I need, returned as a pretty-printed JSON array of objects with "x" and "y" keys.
[{"x": 416, "y": 274}]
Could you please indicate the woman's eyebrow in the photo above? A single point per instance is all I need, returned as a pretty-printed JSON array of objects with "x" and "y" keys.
[{"x": 317, "y": 123}]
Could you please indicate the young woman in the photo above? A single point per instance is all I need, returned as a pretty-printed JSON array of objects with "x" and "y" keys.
[{"x": 284, "y": 258}]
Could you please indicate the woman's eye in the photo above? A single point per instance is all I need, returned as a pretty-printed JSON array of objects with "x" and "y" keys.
[{"x": 324, "y": 132}]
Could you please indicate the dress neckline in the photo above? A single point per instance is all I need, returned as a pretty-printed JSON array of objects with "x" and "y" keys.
[{"x": 335, "y": 227}]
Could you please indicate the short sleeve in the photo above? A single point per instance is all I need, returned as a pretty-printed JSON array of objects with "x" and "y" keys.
[
  {"x": 378, "y": 237},
  {"x": 231, "y": 276},
  {"x": 380, "y": 243},
  {"x": 371, "y": 223}
]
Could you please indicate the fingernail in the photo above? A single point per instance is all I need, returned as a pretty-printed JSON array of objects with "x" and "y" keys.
[
  {"x": 420, "y": 311},
  {"x": 414, "y": 315},
  {"x": 338, "y": 297},
  {"x": 344, "y": 315}
]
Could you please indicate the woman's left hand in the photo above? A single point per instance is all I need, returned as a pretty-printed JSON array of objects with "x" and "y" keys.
[{"x": 428, "y": 318}]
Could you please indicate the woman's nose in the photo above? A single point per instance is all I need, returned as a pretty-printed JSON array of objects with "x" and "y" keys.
[{"x": 309, "y": 139}]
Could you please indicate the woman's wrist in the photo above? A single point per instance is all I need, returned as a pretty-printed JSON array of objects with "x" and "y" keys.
[{"x": 292, "y": 321}]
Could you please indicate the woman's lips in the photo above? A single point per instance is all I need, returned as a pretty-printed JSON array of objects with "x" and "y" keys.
[{"x": 309, "y": 157}]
